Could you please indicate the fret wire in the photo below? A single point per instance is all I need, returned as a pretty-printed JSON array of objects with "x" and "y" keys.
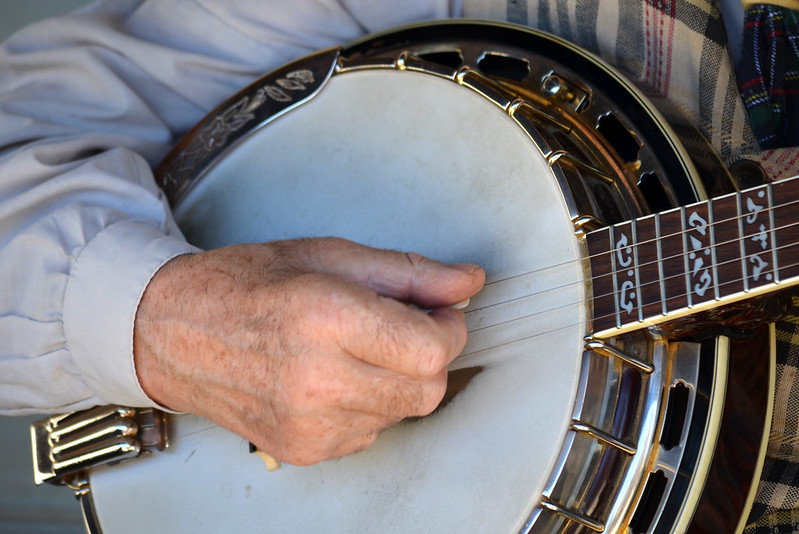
[
  {"x": 594, "y": 298},
  {"x": 659, "y": 239},
  {"x": 661, "y": 273},
  {"x": 686, "y": 267},
  {"x": 660, "y": 260},
  {"x": 772, "y": 230},
  {"x": 634, "y": 232},
  {"x": 549, "y": 310},
  {"x": 742, "y": 241},
  {"x": 614, "y": 271},
  {"x": 562, "y": 327},
  {"x": 711, "y": 220},
  {"x": 737, "y": 218},
  {"x": 726, "y": 282},
  {"x": 501, "y": 323},
  {"x": 567, "y": 305},
  {"x": 769, "y": 284}
]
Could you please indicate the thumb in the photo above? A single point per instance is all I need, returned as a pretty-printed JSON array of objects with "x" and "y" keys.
[{"x": 404, "y": 276}]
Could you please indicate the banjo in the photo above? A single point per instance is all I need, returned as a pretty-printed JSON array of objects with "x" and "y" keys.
[{"x": 589, "y": 397}]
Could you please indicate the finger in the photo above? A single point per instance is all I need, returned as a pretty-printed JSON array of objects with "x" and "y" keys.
[
  {"x": 390, "y": 397},
  {"x": 314, "y": 439},
  {"x": 404, "y": 276},
  {"x": 390, "y": 335},
  {"x": 357, "y": 444}
]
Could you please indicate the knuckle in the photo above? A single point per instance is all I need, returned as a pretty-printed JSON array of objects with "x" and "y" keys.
[
  {"x": 354, "y": 445},
  {"x": 415, "y": 260},
  {"x": 305, "y": 459},
  {"x": 431, "y": 397},
  {"x": 305, "y": 445},
  {"x": 432, "y": 358},
  {"x": 367, "y": 441}
]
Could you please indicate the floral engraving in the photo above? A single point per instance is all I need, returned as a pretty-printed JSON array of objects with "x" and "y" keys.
[{"x": 217, "y": 130}]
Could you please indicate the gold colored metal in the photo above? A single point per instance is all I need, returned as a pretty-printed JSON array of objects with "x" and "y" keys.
[
  {"x": 571, "y": 515},
  {"x": 66, "y": 446}
]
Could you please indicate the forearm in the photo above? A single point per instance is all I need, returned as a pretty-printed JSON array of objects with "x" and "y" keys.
[
  {"x": 74, "y": 265},
  {"x": 88, "y": 105}
]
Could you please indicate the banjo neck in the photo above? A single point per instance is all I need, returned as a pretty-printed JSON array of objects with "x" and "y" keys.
[{"x": 689, "y": 259}]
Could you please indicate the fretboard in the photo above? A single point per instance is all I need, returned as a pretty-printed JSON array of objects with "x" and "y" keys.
[{"x": 693, "y": 258}]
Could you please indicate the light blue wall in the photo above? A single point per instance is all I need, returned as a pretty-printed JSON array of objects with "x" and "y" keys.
[
  {"x": 17, "y": 13},
  {"x": 25, "y": 508}
]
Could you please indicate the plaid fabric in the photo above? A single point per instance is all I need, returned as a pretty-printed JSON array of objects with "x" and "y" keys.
[
  {"x": 778, "y": 163},
  {"x": 769, "y": 83},
  {"x": 675, "y": 51},
  {"x": 769, "y": 74},
  {"x": 776, "y": 508}
]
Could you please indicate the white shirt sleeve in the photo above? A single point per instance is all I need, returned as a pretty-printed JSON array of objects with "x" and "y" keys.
[{"x": 89, "y": 103}]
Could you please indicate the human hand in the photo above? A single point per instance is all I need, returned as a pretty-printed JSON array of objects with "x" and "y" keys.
[{"x": 306, "y": 348}]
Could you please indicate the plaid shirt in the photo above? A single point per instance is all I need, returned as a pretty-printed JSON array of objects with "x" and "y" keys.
[
  {"x": 675, "y": 51},
  {"x": 769, "y": 75}
]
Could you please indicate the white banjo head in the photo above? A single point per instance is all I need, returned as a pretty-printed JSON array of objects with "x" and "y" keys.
[
  {"x": 435, "y": 161},
  {"x": 411, "y": 162}
]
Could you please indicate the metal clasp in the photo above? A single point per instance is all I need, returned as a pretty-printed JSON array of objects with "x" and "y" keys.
[{"x": 66, "y": 446}]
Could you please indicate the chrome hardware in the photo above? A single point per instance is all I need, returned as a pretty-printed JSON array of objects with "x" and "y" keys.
[
  {"x": 576, "y": 517},
  {"x": 552, "y": 85},
  {"x": 600, "y": 347},
  {"x": 66, "y": 446},
  {"x": 493, "y": 91},
  {"x": 614, "y": 439},
  {"x": 290, "y": 86},
  {"x": 584, "y": 224},
  {"x": 83, "y": 493},
  {"x": 562, "y": 156},
  {"x": 565, "y": 91},
  {"x": 559, "y": 109},
  {"x": 521, "y": 106},
  {"x": 604, "y": 437}
]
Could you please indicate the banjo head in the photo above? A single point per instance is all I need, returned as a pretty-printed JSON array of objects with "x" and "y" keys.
[
  {"x": 409, "y": 161},
  {"x": 465, "y": 142}
]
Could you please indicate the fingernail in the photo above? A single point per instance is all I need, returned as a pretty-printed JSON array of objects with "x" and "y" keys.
[
  {"x": 465, "y": 267},
  {"x": 460, "y": 305}
]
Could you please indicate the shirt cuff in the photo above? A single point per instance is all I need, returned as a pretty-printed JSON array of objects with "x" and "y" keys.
[{"x": 102, "y": 296}]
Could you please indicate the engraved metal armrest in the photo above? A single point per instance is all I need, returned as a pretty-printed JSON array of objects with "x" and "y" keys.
[{"x": 66, "y": 446}]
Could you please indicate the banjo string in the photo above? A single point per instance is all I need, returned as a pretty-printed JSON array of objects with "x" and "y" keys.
[
  {"x": 555, "y": 290},
  {"x": 650, "y": 241}
]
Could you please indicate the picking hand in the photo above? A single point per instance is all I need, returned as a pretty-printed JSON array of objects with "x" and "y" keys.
[{"x": 306, "y": 348}]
